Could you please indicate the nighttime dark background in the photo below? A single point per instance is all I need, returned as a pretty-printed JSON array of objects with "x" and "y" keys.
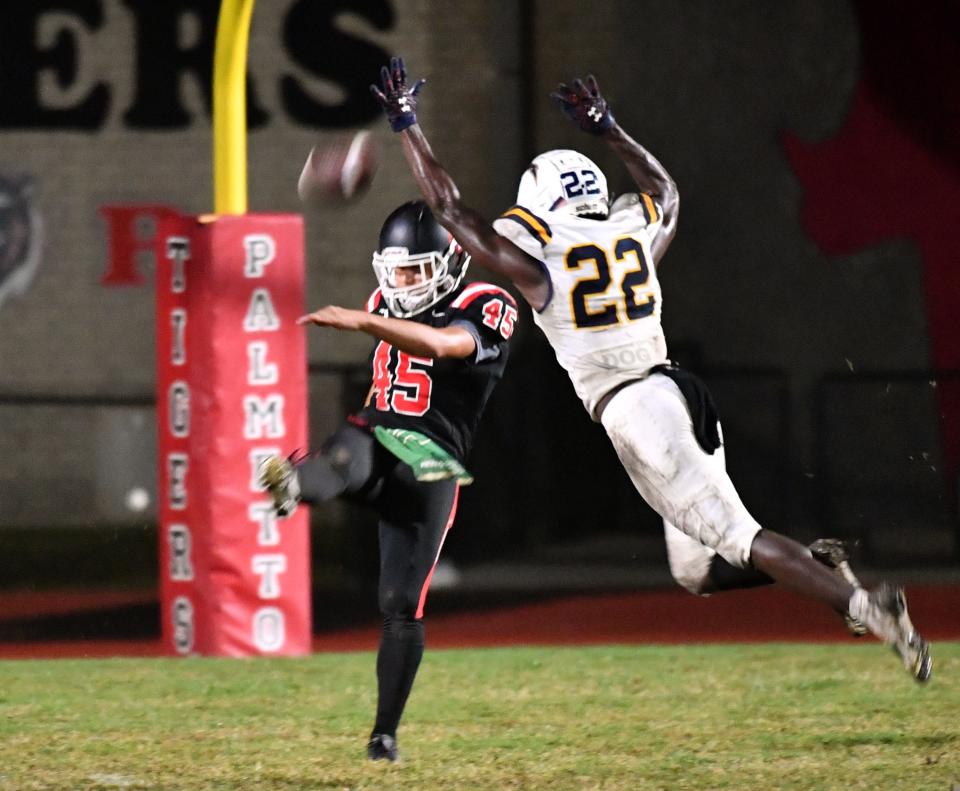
[{"x": 814, "y": 281}]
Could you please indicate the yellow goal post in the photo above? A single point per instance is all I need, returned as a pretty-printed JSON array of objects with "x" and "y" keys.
[{"x": 230, "y": 107}]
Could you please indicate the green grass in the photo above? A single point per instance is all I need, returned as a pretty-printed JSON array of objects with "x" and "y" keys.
[{"x": 690, "y": 717}]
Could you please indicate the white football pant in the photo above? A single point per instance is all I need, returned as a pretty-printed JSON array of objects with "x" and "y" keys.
[{"x": 650, "y": 427}]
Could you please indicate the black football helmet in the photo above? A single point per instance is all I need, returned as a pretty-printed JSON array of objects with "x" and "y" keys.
[{"x": 412, "y": 237}]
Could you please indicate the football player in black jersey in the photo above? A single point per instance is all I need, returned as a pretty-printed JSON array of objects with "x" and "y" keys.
[{"x": 441, "y": 347}]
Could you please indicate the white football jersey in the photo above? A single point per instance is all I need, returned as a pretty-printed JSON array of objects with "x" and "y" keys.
[{"x": 602, "y": 316}]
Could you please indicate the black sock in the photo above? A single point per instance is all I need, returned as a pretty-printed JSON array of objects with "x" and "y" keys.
[
  {"x": 401, "y": 648},
  {"x": 724, "y": 577}
]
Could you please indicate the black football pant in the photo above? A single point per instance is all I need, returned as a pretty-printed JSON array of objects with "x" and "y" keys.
[{"x": 414, "y": 519}]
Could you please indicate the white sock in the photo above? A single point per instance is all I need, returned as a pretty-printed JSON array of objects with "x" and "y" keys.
[
  {"x": 882, "y": 624},
  {"x": 859, "y": 602}
]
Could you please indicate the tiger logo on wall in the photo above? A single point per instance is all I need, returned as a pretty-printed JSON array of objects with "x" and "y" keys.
[{"x": 20, "y": 236}]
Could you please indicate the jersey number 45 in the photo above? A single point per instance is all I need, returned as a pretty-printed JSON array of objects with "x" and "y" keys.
[{"x": 405, "y": 389}]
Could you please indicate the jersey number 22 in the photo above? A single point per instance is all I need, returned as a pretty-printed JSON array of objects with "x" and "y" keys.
[{"x": 638, "y": 302}]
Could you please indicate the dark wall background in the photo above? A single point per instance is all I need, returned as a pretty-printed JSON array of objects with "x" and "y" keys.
[{"x": 813, "y": 283}]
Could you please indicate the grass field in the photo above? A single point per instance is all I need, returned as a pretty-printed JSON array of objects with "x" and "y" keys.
[{"x": 623, "y": 717}]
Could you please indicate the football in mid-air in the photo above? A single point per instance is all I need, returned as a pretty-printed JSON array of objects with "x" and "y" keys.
[{"x": 339, "y": 170}]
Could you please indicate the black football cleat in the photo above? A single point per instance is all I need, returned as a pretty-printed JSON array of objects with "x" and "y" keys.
[
  {"x": 382, "y": 747},
  {"x": 834, "y": 553}
]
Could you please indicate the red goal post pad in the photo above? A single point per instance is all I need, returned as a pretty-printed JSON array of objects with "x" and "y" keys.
[{"x": 231, "y": 390}]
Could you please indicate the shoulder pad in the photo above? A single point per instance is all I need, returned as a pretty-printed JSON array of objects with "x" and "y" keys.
[
  {"x": 530, "y": 222},
  {"x": 475, "y": 291},
  {"x": 640, "y": 204},
  {"x": 373, "y": 301}
]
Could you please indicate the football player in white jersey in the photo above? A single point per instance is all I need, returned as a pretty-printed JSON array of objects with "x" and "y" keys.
[{"x": 588, "y": 270}]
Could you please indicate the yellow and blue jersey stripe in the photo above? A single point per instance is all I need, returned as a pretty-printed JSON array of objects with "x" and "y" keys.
[
  {"x": 534, "y": 225},
  {"x": 649, "y": 208}
]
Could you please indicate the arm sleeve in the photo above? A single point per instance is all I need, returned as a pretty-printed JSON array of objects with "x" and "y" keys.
[
  {"x": 489, "y": 314},
  {"x": 485, "y": 350}
]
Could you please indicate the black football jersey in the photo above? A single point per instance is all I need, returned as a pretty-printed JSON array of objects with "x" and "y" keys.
[{"x": 443, "y": 399}]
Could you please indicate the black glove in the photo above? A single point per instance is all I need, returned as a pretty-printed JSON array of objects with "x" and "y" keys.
[
  {"x": 397, "y": 101},
  {"x": 584, "y": 105}
]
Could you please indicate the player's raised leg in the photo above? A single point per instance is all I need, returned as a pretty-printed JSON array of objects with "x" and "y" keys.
[
  {"x": 702, "y": 571},
  {"x": 650, "y": 427},
  {"x": 344, "y": 463},
  {"x": 882, "y": 611}
]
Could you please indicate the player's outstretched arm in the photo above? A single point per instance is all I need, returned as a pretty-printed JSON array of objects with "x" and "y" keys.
[
  {"x": 583, "y": 103},
  {"x": 411, "y": 337},
  {"x": 474, "y": 233},
  {"x": 651, "y": 177}
]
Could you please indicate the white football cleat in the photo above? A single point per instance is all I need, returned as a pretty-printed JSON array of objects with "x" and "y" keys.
[{"x": 884, "y": 612}]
